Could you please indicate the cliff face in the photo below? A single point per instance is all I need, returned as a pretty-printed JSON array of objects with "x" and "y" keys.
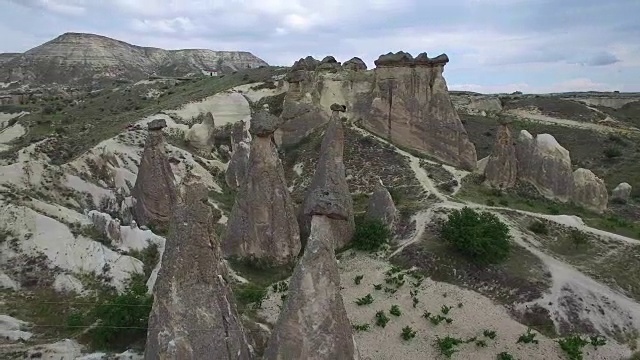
[
  {"x": 191, "y": 292},
  {"x": 154, "y": 190},
  {"x": 79, "y": 58},
  {"x": 410, "y": 106}
]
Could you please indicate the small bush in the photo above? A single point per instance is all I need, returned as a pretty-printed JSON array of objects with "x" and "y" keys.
[
  {"x": 578, "y": 238},
  {"x": 370, "y": 234},
  {"x": 489, "y": 334},
  {"x": 527, "y": 338},
  {"x": 448, "y": 345},
  {"x": 572, "y": 346},
  {"x": 505, "y": 356},
  {"x": 381, "y": 319},
  {"x": 539, "y": 227},
  {"x": 365, "y": 300},
  {"x": 480, "y": 236},
  {"x": 250, "y": 294},
  {"x": 612, "y": 152},
  {"x": 362, "y": 327},
  {"x": 149, "y": 257},
  {"x": 357, "y": 279},
  {"x": 395, "y": 310},
  {"x": 408, "y": 333},
  {"x": 445, "y": 309}
]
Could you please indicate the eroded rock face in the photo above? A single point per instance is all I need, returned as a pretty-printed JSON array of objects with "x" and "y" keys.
[
  {"x": 501, "y": 169},
  {"x": 354, "y": 64},
  {"x": 543, "y": 162},
  {"x": 313, "y": 323},
  {"x": 237, "y": 167},
  {"x": 239, "y": 133},
  {"x": 589, "y": 190},
  {"x": 191, "y": 292},
  {"x": 262, "y": 226},
  {"x": 329, "y": 193},
  {"x": 381, "y": 206},
  {"x": 201, "y": 135},
  {"x": 410, "y": 106},
  {"x": 154, "y": 191},
  {"x": 622, "y": 192}
]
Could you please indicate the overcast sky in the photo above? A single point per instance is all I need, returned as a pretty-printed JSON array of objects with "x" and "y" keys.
[{"x": 494, "y": 45}]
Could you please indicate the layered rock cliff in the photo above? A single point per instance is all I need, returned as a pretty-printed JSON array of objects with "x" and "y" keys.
[
  {"x": 329, "y": 178},
  {"x": 154, "y": 191},
  {"x": 262, "y": 226},
  {"x": 411, "y": 107},
  {"x": 80, "y": 58},
  {"x": 194, "y": 315}
]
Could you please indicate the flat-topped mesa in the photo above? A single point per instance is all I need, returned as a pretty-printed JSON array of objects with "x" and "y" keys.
[
  {"x": 262, "y": 227},
  {"x": 328, "y": 193},
  {"x": 154, "y": 191},
  {"x": 191, "y": 292},
  {"x": 409, "y": 105}
]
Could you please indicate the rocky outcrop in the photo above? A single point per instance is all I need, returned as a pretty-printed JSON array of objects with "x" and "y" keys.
[
  {"x": 329, "y": 63},
  {"x": 239, "y": 133},
  {"x": 191, "y": 292},
  {"x": 543, "y": 162},
  {"x": 329, "y": 180},
  {"x": 313, "y": 323},
  {"x": 502, "y": 166},
  {"x": 622, "y": 192},
  {"x": 411, "y": 107},
  {"x": 354, "y": 64},
  {"x": 237, "y": 167},
  {"x": 201, "y": 135},
  {"x": 589, "y": 191},
  {"x": 262, "y": 226},
  {"x": 154, "y": 191},
  {"x": 381, "y": 206}
]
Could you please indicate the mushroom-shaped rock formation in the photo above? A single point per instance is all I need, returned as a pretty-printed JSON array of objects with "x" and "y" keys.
[
  {"x": 194, "y": 315},
  {"x": 313, "y": 323},
  {"x": 622, "y": 192},
  {"x": 589, "y": 191},
  {"x": 154, "y": 191},
  {"x": 329, "y": 63},
  {"x": 237, "y": 167},
  {"x": 201, "y": 135},
  {"x": 354, "y": 64},
  {"x": 410, "y": 106},
  {"x": 502, "y": 166},
  {"x": 381, "y": 206},
  {"x": 544, "y": 163},
  {"x": 329, "y": 180},
  {"x": 262, "y": 226}
]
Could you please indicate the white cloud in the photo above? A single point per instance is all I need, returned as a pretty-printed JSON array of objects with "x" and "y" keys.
[{"x": 167, "y": 26}]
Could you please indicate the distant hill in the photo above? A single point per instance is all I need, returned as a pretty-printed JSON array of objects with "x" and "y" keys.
[{"x": 77, "y": 58}]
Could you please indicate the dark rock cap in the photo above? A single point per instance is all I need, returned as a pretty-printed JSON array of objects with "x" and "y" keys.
[
  {"x": 157, "y": 124},
  {"x": 402, "y": 58},
  {"x": 327, "y": 203},
  {"x": 355, "y": 64},
  {"x": 264, "y": 123},
  {"x": 338, "y": 107},
  {"x": 329, "y": 60}
]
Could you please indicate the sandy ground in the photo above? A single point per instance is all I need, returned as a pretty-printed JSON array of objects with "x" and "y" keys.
[
  {"x": 227, "y": 107},
  {"x": 9, "y": 134}
]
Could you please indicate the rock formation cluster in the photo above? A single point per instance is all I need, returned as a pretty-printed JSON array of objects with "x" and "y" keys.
[
  {"x": 329, "y": 180},
  {"x": 262, "y": 226},
  {"x": 313, "y": 323},
  {"x": 154, "y": 191},
  {"x": 194, "y": 315},
  {"x": 411, "y": 107},
  {"x": 544, "y": 163}
]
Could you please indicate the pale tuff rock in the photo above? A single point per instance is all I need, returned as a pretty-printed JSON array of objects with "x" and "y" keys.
[
  {"x": 502, "y": 166},
  {"x": 262, "y": 225},
  {"x": 237, "y": 167},
  {"x": 192, "y": 293},
  {"x": 201, "y": 135},
  {"x": 313, "y": 323},
  {"x": 410, "y": 106},
  {"x": 589, "y": 191},
  {"x": 329, "y": 193},
  {"x": 154, "y": 190},
  {"x": 621, "y": 192},
  {"x": 65, "y": 283},
  {"x": 545, "y": 164},
  {"x": 381, "y": 206},
  {"x": 106, "y": 225}
]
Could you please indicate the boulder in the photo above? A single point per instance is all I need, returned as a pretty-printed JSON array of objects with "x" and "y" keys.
[
  {"x": 410, "y": 106},
  {"x": 502, "y": 166},
  {"x": 154, "y": 191},
  {"x": 589, "y": 191},
  {"x": 237, "y": 167},
  {"x": 328, "y": 194},
  {"x": 381, "y": 206},
  {"x": 262, "y": 226},
  {"x": 544, "y": 163},
  {"x": 191, "y": 291},
  {"x": 354, "y": 64},
  {"x": 622, "y": 192},
  {"x": 201, "y": 135},
  {"x": 313, "y": 323}
]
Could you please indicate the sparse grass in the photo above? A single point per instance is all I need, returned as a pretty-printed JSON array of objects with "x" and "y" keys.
[
  {"x": 528, "y": 338},
  {"x": 362, "y": 327},
  {"x": 366, "y": 300}
]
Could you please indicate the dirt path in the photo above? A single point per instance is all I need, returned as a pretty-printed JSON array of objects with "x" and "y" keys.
[{"x": 525, "y": 115}]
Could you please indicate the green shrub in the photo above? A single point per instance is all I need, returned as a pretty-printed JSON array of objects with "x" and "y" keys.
[
  {"x": 578, "y": 238},
  {"x": 489, "y": 334},
  {"x": 250, "y": 294},
  {"x": 448, "y": 345},
  {"x": 122, "y": 318},
  {"x": 408, "y": 333},
  {"x": 358, "y": 279},
  {"x": 149, "y": 257},
  {"x": 395, "y": 310},
  {"x": 539, "y": 227},
  {"x": 381, "y": 319},
  {"x": 527, "y": 338},
  {"x": 370, "y": 234},
  {"x": 572, "y": 346},
  {"x": 363, "y": 327},
  {"x": 480, "y": 236},
  {"x": 505, "y": 356},
  {"x": 365, "y": 300}
]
